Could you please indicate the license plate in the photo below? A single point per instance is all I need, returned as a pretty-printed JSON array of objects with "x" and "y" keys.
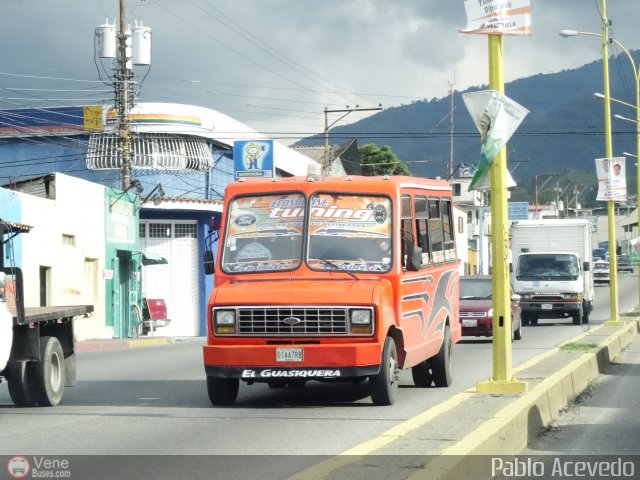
[
  {"x": 288, "y": 354},
  {"x": 469, "y": 323},
  {"x": 547, "y": 306}
]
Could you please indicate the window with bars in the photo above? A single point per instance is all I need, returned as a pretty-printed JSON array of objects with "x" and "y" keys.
[
  {"x": 186, "y": 230},
  {"x": 151, "y": 151},
  {"x": 159, "y": 230}
]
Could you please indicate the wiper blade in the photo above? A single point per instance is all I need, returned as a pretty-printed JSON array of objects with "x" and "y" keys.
[{"x": 335, "y": 266}]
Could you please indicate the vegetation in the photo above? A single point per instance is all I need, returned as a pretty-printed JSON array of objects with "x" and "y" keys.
[
  {"x": 381, "y": 161},
  {"x": 583, "y": 347}
]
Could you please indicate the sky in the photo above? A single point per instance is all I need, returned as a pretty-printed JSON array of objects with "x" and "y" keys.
[{"x": 276, "y": 65}]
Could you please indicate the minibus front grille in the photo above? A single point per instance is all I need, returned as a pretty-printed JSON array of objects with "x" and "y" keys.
[{"x": 292, "y": 321}]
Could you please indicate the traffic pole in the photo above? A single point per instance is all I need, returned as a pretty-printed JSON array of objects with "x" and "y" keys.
[{"x": 502, "y": 380}]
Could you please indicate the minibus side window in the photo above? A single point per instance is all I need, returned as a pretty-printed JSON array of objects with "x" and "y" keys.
[
  {"x": 422, "y": 228},
  {"x": 447, "y": 227},
  {"x": 435, "y": 231},
  {"x": 406, "y": 228}
]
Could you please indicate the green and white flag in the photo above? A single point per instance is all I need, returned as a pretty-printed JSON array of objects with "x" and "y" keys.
[{"x": 496, "y": 117}]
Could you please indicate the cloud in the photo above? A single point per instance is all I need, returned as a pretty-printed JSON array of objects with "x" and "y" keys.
[{"x": 276, "y": 65}]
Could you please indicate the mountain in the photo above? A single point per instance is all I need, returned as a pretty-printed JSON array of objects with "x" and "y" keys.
[{"x": 564, "y": 131}]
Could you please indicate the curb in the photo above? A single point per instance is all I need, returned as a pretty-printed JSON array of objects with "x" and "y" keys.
[
  {"x": 509, "y": 431},
  {"x": 500, "y": 425},
  {"x": 117, "y": 344}
]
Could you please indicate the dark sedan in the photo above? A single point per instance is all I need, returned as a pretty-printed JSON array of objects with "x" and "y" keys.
[{"x": 476, "y": 308}]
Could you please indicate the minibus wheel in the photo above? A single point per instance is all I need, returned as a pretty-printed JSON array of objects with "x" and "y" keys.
[
  {"x": 384, "y": 385},
  {"x": 421, "y": 374},
  {"x": 222, "y": 391},
  {"x": 441, "y": 363}
]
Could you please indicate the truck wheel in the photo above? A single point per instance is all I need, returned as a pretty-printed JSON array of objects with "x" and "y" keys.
[
  {"x": 19, "y": 380},
  {"x": 384, "y": 385},
  {"x": 441, "y": 363},
  {"x": 222, "y": 391},
  {"x": 577, "y": 317},
  {"x": 585, "y": 312},
  {"x": 48, "y": 373}
]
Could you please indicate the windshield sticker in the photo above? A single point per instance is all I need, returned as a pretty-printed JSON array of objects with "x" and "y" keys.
[
  {"x": 264, "y": 233},
  {"x": 350, "y": 233},
  {"x": 350, "y": 216}
]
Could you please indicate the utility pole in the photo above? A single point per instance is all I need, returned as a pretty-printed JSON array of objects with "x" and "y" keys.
[
  {"x": 450, "y": 166},
  {"x": 326, "y": 160},
  {"x": 126, "y": 48},
  {"x": 123, "y": 100}
]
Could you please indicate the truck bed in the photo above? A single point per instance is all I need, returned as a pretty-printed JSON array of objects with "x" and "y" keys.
[{"x": 43, "y": 314}]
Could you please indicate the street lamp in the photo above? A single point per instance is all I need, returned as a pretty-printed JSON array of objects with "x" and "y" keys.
[
  {"x": 636, "y": 74},
  {"x": 613, "y": 264}
]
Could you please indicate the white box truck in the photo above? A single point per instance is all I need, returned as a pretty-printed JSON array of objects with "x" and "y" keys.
[{"x": 551, "y": 269}]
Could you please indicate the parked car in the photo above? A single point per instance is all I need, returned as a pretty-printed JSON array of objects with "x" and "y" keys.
[
  {"x": 624, "y": 264},
  {"x": 601, "y": 272},
  {"x": 476, "y": 308}
]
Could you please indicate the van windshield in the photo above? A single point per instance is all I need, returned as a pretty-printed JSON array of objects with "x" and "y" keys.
[
  {"x": 539, "y": 266},
  {"x": 350, "y": 232},
  {"x": 264, "y": 233}
]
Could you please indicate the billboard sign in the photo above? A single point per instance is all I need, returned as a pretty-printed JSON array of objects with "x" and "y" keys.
[{"x": 253, "y": 158}]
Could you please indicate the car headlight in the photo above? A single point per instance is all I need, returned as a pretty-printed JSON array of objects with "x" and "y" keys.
[
  {"x": 490, "y": 312},
  {"x": 224, "y": 321},
  {"x": 361, "y": 321}
]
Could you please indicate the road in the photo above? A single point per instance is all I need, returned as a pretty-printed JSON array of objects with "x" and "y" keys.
[
  {"x": 153, "y": 401},
  {"x": 604, "y": 419}
]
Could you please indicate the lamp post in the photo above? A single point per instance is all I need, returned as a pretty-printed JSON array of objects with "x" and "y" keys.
[
  {"x": 636, "y": 75},
  {"x": 613, "y": 267}
]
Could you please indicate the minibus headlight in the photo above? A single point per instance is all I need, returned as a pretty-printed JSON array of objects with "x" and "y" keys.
[
  {"x": 360, "y": 317},
  {"x": 224, "y": 321},
  {"x": 361, "y": 321}
]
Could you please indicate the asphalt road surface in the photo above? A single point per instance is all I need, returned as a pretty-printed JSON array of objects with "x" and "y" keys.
[{"x": 153, "y": 401}]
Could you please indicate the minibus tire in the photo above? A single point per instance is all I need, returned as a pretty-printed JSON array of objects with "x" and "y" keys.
[
  {"x": 384, "y": 385},
  {"x": 421, "y": 374},
  {"x": 441, "y": 363},
  {"x": 222, "y": 391}
]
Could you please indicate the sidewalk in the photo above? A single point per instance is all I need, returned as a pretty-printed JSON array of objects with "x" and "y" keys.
[
  {"x": 118, "y": 343},
  {"x": 459, "y": 438}
]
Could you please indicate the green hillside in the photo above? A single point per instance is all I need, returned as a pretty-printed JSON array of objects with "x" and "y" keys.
[{"x": 563, "y": 133}]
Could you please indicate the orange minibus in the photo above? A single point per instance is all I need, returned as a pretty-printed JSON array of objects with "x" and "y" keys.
[{"x": 347, "y": 278}]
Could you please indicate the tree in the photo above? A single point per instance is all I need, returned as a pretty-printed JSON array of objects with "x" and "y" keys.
[{"x": 381, "y": 161}]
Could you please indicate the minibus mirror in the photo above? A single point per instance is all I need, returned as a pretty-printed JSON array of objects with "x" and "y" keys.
[
  {"x": 415, "y": 260},
  {"x": 209, "y": 263}
]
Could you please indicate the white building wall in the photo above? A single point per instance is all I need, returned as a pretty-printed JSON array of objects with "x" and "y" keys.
[{"x": 68, "y": 238}]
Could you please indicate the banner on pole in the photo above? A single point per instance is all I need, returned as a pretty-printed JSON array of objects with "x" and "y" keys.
[
  {"x": 498, "y": 17},
  {"x": 612, "y": 180},
  {"x": 496, "y": 117}
]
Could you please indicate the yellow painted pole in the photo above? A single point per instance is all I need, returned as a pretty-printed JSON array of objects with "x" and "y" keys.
[
  {"x": 637, "y": 72},
  {"x": 502, "y": 380},
  {"x": 611, "y": 224}
]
